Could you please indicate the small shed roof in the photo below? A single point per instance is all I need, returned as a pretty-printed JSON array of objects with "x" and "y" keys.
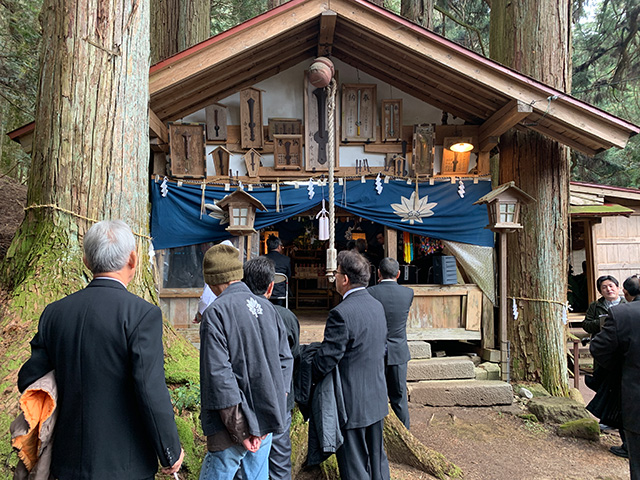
[{"x": 392, "y": 49}]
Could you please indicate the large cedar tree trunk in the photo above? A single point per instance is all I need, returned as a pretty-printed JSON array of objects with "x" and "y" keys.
[
  {"x": 177, "y": 25},
  {"x": 90, "y": 161},
  {"x": 534, "y": 38},
  {"x": 418, "y": 11}
]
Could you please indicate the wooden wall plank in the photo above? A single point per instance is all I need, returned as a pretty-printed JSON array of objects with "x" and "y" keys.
[{"x": 474, "y": 310}]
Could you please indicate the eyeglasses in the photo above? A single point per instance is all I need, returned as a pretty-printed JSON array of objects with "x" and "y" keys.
[{"x": 339, "y": 273}]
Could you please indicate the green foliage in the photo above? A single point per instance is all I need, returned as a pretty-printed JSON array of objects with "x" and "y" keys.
[
  {"x": 465, "y": 22},
  {"x": 226, "y": 14},
  {"x": 19, "y": 43},
  {"x": 186, "y": 397},
  {"x": 194, "y": 448},
  {"x": 606, "y": 73},
  {"x": 8, "y": 459}
]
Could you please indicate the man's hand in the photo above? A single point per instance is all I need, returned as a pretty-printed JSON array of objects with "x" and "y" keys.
[
  {"x": 252, "y": 443},
  {"x": 176, "y": 466}
]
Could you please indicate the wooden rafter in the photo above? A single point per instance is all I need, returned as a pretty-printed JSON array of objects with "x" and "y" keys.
[
  {"x": 507, "y": 117},
  {"x": 328, "y": 21},
  {"x": 157, "y": 127},
  {"x": 396, "y": 51}
]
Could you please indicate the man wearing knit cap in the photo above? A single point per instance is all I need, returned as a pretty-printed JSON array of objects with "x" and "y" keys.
[{"x": 243, "y": 379}]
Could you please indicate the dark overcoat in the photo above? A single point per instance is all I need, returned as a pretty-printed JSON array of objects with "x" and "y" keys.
[
  {"x": 115, "y": 418},
  {"x": 396, "y": 301},
  {"x": 617, "y": 346},
  {"x": 354, "y": 340}
]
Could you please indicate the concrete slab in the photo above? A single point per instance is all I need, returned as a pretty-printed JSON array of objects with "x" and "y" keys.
[
  {"x": 492, "y": 370},
  {"x": 466, "y": 393},
  {"x": 419, "y": 349},
  {"x": 447, "y": 368}
]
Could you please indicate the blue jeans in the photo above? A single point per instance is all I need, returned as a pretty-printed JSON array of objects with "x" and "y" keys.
[{"x": 224, "y": 464}]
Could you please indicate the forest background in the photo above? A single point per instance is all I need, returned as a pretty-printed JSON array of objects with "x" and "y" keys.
[{"x": 605, "y": 56}]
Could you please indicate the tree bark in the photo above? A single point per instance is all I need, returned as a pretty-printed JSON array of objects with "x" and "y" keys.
[
  {"x": 534, "y": 37},
  {"x": 274, "y": 3},
  {"x": 418, "y": 11},
  {"x": 177, "y": 25},
  {"x": 90, "y": 161}
]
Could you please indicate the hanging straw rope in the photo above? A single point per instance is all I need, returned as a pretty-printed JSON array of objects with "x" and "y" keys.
[
  {"x": 77, "y": 215},
  {"x": 331, "y": 251}
]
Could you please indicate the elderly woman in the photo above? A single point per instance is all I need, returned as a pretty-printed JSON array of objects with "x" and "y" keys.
[
  {"x": 606, "y": 404},
  {"x": 608, "y": 287}
]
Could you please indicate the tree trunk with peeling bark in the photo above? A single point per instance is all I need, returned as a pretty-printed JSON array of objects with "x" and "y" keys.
[
  {"x": 534, "y": 37},
  {"x": 418, "y": 11},
  {"x": 90, "y": 162},
  {"x": 177, "y": 25}
]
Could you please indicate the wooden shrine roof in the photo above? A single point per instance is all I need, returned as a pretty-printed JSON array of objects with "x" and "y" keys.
[
  {"x": 392, "y": 49},
  {"x": 407, "y": 56}
]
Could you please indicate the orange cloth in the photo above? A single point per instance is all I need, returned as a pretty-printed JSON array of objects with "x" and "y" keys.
[{"x": 37, "y": 405}]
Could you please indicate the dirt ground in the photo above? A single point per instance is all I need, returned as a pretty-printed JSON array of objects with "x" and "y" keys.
[
  {"x": 493, "y": 443},
  {"x": 486, "y": 443}
]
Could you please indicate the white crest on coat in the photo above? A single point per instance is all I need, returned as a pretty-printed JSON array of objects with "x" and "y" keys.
[{"x": 254, "y": 307}]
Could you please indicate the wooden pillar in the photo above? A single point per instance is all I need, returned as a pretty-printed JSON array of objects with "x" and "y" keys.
[
  {"x": 504, "y": 343},
  {"x": 592, "y": 262},
  {"x": 391, "y": 243}
]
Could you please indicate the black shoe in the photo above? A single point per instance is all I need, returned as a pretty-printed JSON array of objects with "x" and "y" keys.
[{"x": 619, "y": 451}]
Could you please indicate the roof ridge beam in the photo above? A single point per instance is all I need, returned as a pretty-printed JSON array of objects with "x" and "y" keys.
[{"x": 328, "y": 22}]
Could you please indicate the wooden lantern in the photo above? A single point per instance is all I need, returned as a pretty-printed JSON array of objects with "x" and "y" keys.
[
  {"x": 503, "y": 205},
  {"x": 242, "y": 212}
]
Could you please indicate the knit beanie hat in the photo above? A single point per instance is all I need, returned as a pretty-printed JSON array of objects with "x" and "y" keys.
[{"x": 221, "y": 264}]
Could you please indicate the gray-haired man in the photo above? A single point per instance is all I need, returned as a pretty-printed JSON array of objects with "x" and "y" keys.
[{"x": 115, "y": 418}]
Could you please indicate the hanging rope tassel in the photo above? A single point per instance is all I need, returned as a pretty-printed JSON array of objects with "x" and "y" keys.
[{"x": 277, "y": 194}]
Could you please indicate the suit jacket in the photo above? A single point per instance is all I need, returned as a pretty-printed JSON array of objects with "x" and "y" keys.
[
  {"x": 283, "y": 265},
  {"x": 115, "y": 418},
  {"x": 618, "y": 346},
  {"x": 396, "y": 301},
  {"x": 354, "y": 341}
]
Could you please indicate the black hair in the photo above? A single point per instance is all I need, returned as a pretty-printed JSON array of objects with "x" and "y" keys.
[
  {"x": 354, "y": 266},
  {"x": 604, "y": 278},
  {"x": 273, "y": 243},
  {"x": 389, "y": 268},
  {"x": 632, "y": 285},
  {"x": 259, "y": 272},
  {"x": 361, "y": 245}
]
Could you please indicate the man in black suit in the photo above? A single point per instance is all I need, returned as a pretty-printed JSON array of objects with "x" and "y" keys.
[
  {"x": 354, "y": 342},
  {"x": 396, "y": 301},
  {"x": 115, "y": 418},
  {"x": 617, "y": 346},
  {"x": 259, "y": 275},
  {"x": 283, "y": 265}
]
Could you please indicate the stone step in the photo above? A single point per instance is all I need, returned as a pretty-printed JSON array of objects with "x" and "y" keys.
[
  {"x": 465, "y": 393},
  {"x": 419, "y": 349},
  {"x": 445, "y": 368}
]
